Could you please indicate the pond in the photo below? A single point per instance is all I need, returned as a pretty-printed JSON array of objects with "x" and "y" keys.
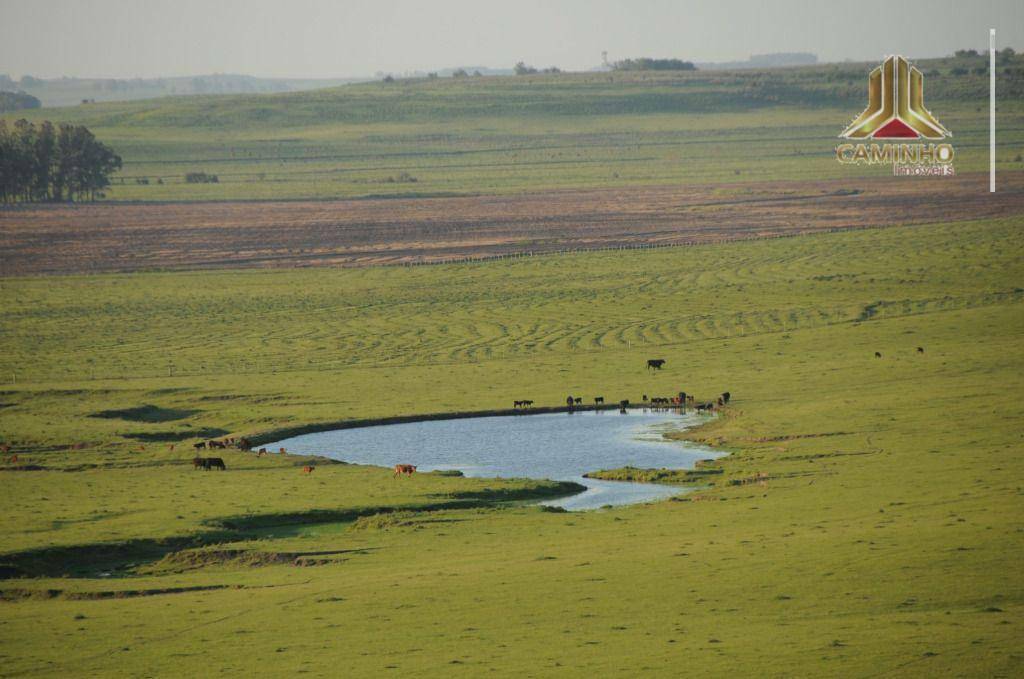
[{"x": 557, "y": 446}]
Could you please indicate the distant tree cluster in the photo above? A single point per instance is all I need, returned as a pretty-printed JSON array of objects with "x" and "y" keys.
[
  {"x": 52, "y": 163},
  {"x": 645, "y": 64},
  {"x": 17, "y": 101},
  {"x": 522, "y": 69}
]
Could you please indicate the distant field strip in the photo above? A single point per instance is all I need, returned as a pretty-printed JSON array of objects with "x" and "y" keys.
[
  {"x": 97, "y": 238},
  {"x": 259, "y": 322}
]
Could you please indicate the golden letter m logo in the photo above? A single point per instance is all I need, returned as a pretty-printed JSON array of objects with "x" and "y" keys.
[{"x": 895, "y": 106}]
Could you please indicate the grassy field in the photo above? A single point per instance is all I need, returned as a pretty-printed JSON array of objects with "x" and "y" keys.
[
  {"x": 880, "y": 535},
  {"x": 514, "y": 134}
]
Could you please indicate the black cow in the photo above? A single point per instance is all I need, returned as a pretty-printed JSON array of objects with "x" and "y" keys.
[
  {"x": 726, "y": 396},
  {"x": 198, "y": 462},
  {"x": 578, "y": 401},
  {"x": 527, "y": 403},
  {"x": 878, "y": 354},
  {"x": 920, "y": 350},
  {"x": 199, "y": 446},
  {"x": 214, "y": 463},
  {"x": 598, "y": 400},
  {"x": 655, "y": 363}
]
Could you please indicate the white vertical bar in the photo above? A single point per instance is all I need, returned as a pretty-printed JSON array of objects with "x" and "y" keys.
[{"x": 991, "y": 110}]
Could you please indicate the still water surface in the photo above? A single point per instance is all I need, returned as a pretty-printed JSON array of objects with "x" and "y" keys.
[{"x": 559, "y": 446}]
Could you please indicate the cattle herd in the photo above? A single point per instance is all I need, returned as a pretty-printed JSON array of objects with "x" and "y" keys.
[
  {"x": 241, "y": 444},
  {"x": 682, "y": 400}
]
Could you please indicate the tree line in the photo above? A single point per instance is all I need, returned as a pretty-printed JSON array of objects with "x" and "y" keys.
[
  {"x": 645, "y": 64},
  {"x": 52, "y": 163}
]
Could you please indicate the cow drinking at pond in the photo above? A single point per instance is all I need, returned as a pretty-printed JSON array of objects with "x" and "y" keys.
[{"x": 655, "y": 363}]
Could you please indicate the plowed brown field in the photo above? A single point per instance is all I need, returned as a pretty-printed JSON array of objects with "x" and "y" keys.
[{"x": 131, "y": 237}]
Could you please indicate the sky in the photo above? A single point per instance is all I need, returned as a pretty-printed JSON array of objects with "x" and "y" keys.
[{"x": 353, "y": 38}]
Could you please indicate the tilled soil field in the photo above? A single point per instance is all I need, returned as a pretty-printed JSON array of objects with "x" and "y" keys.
[{"x": 132, "y": 237}]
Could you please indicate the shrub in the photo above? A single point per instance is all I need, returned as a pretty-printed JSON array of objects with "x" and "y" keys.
[{"x": 200, "y": 178}]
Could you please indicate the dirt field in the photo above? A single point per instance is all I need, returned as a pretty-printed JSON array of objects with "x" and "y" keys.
[{"x": 120, "y": 237}]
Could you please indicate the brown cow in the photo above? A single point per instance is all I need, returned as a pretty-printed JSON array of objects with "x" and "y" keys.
[
  {"x": 14, "y": 459},
  {"x": 406, "y": 469},
  {"x": 198, "y": 462},
  {"x": 308, "y": 469}
]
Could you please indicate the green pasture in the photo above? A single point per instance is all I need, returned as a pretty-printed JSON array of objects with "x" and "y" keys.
[
  {"x": 515, "y": 134},
  {"x": 868, "y": 520}
]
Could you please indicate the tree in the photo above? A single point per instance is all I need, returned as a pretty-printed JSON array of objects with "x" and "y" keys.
[
  {"x": 47, "y": 164},
  {"x": 16, "y": 101}
]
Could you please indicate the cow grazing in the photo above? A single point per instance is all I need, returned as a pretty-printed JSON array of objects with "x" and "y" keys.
[
  {"x": 198, "y": 462},
  {"x": 261, "y": 452},
  {"x": 406, "y": 469},
  {"x": 920, "y": 350},
  {"x": 199, "y": 446},
  {"x": 527, "y": 403},
  {"x": 598, "y": 400},
  {"x": 578, "y": 401},
  {"x": 244, "y": 444},
  {"x": 214, "y": 463},
  {"x": 517, "y": 404},
  {"x": 655, "y": 363},
  {"x": 878, "y": 354},
  {"x": 308, "y": 469}
]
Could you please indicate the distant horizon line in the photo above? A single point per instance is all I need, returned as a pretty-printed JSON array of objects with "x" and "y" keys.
[{"x": 448, "y": 69}]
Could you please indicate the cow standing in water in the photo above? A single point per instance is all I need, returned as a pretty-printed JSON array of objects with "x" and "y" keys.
[{"x": 655, "y": 363}]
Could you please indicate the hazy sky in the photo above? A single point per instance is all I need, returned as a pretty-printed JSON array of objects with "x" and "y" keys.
[{"x": 336, "y": 38}]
